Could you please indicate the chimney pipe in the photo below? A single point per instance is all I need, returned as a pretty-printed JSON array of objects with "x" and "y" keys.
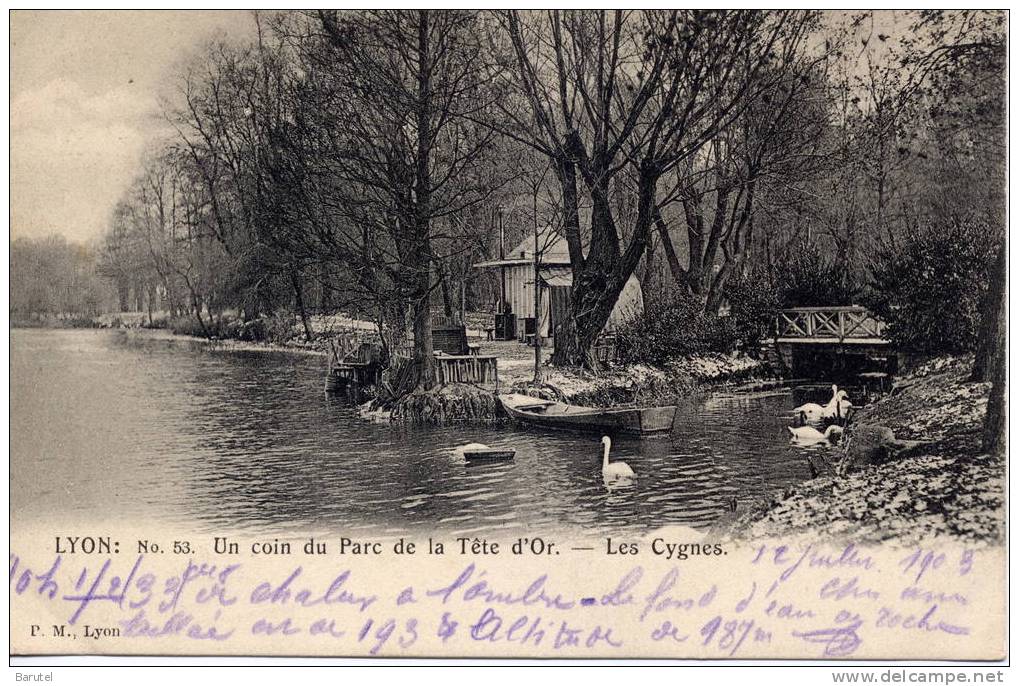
[{"x": 502, "y": 269}]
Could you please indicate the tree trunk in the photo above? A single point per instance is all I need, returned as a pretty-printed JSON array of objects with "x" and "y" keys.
[
  {"x": 995, "y": 423},
  {"x": 605, "y": 271},
  {"x": 197, "y": 308},
  {"x": 423, "y": 356},
  {"x": 595, "y": 292},
  {"x": 123, "y": 295},
  {"x": 648, "y": 273},
  {"x": 567, "y": 173},
  {"x": 151, "y": 296},
  {"x": 295, "y": 280},
  {"x": 678, "y": 273},
  {"x": 591, "y": 307},
  {"x": 447, "y": 297},
  {"x": 695, "y": 241},
  {"x": 716, "y": 292},
  {"x": 988, "y": 334},
  {"x": 717, "y": 236},
  {"x": 325, "y": 300}
]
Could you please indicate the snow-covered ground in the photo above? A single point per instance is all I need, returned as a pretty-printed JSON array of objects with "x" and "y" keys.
[{"x": 631, "y": 382}]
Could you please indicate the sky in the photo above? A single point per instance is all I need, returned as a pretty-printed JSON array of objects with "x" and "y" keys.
[
  {"x": 85, "y": 92},
  {"x": 85, "y": 95}
]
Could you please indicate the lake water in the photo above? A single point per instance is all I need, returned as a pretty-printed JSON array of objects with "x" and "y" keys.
[{"x": 115, "y": 427}]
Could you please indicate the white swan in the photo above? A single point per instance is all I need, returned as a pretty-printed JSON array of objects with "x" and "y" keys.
[
  {"x": 813, "y": 411},
  {"x": 808, "y": 434},
  {"x": 615, "y": 470},
  {"x": 837, "y": 406}
]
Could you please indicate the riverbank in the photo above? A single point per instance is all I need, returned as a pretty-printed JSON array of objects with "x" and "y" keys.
[
  {"x": 629, "y": 385},
  {"x": 228, "y": 344},
  {"x": 643, "y": 384},
  {"x": 911, "y": 469},
  {"x": 49, "y": 321},
  {"x": 228, "y": 332},
  {"x": 634, "y": 385}
]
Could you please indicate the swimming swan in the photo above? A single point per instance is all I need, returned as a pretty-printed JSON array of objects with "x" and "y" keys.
[
  {"x": 808, "y": 434},
  {"x": 837, "y": 406},
  {"x": 615, "y": 470}
]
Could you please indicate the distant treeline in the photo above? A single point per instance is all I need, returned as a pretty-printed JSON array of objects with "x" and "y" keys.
[{"x": 53, "y": 279}]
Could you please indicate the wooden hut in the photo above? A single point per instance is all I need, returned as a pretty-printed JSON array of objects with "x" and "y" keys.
[{"x": 555, "y": 284}]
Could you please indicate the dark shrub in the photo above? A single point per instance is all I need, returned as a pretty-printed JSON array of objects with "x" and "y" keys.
[
  {"x": 753, "y": 304},
  {"x": 672, "y": 326},
  {"x": 188, "y": 325},
  {"x": 79, "y": 322},
  {"x": 275, "y": 328},
  {"x": 930, "y": 290},
  {"x": 254, "y": 330},
  {"x": 810, "y": 277}
]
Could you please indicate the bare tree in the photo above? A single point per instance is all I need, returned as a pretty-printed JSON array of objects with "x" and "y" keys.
[
  {"x": 776, "y": 142},
  {"x": 603, "y": 92},
  {"x": 405, "y": 87}
]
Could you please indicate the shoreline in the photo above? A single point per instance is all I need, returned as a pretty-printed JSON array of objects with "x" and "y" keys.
[
  {"x": 684, "y": 378},
  {"x": 228, "y": 344},
  {"x": 231, "y": 344}
]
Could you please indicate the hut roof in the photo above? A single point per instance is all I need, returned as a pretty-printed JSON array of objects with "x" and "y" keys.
[{"x": 551, "y": 245}]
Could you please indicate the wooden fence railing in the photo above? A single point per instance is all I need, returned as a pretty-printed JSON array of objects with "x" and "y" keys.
[
  {"x": 353, "y": 365},
  {"x": 849, "y": 323},
  {"x": 480, "y": 370},
  {"x": 345, "y": 344}
]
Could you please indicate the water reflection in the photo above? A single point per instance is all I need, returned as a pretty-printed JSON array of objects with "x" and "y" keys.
[{"x": 109, "y": 426}]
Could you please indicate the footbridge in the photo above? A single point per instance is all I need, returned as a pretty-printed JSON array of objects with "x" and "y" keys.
[{"x": 808, "y": 338}]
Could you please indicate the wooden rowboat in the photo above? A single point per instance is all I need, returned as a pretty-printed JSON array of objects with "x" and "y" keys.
[{"x": 637, "y": 421}]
